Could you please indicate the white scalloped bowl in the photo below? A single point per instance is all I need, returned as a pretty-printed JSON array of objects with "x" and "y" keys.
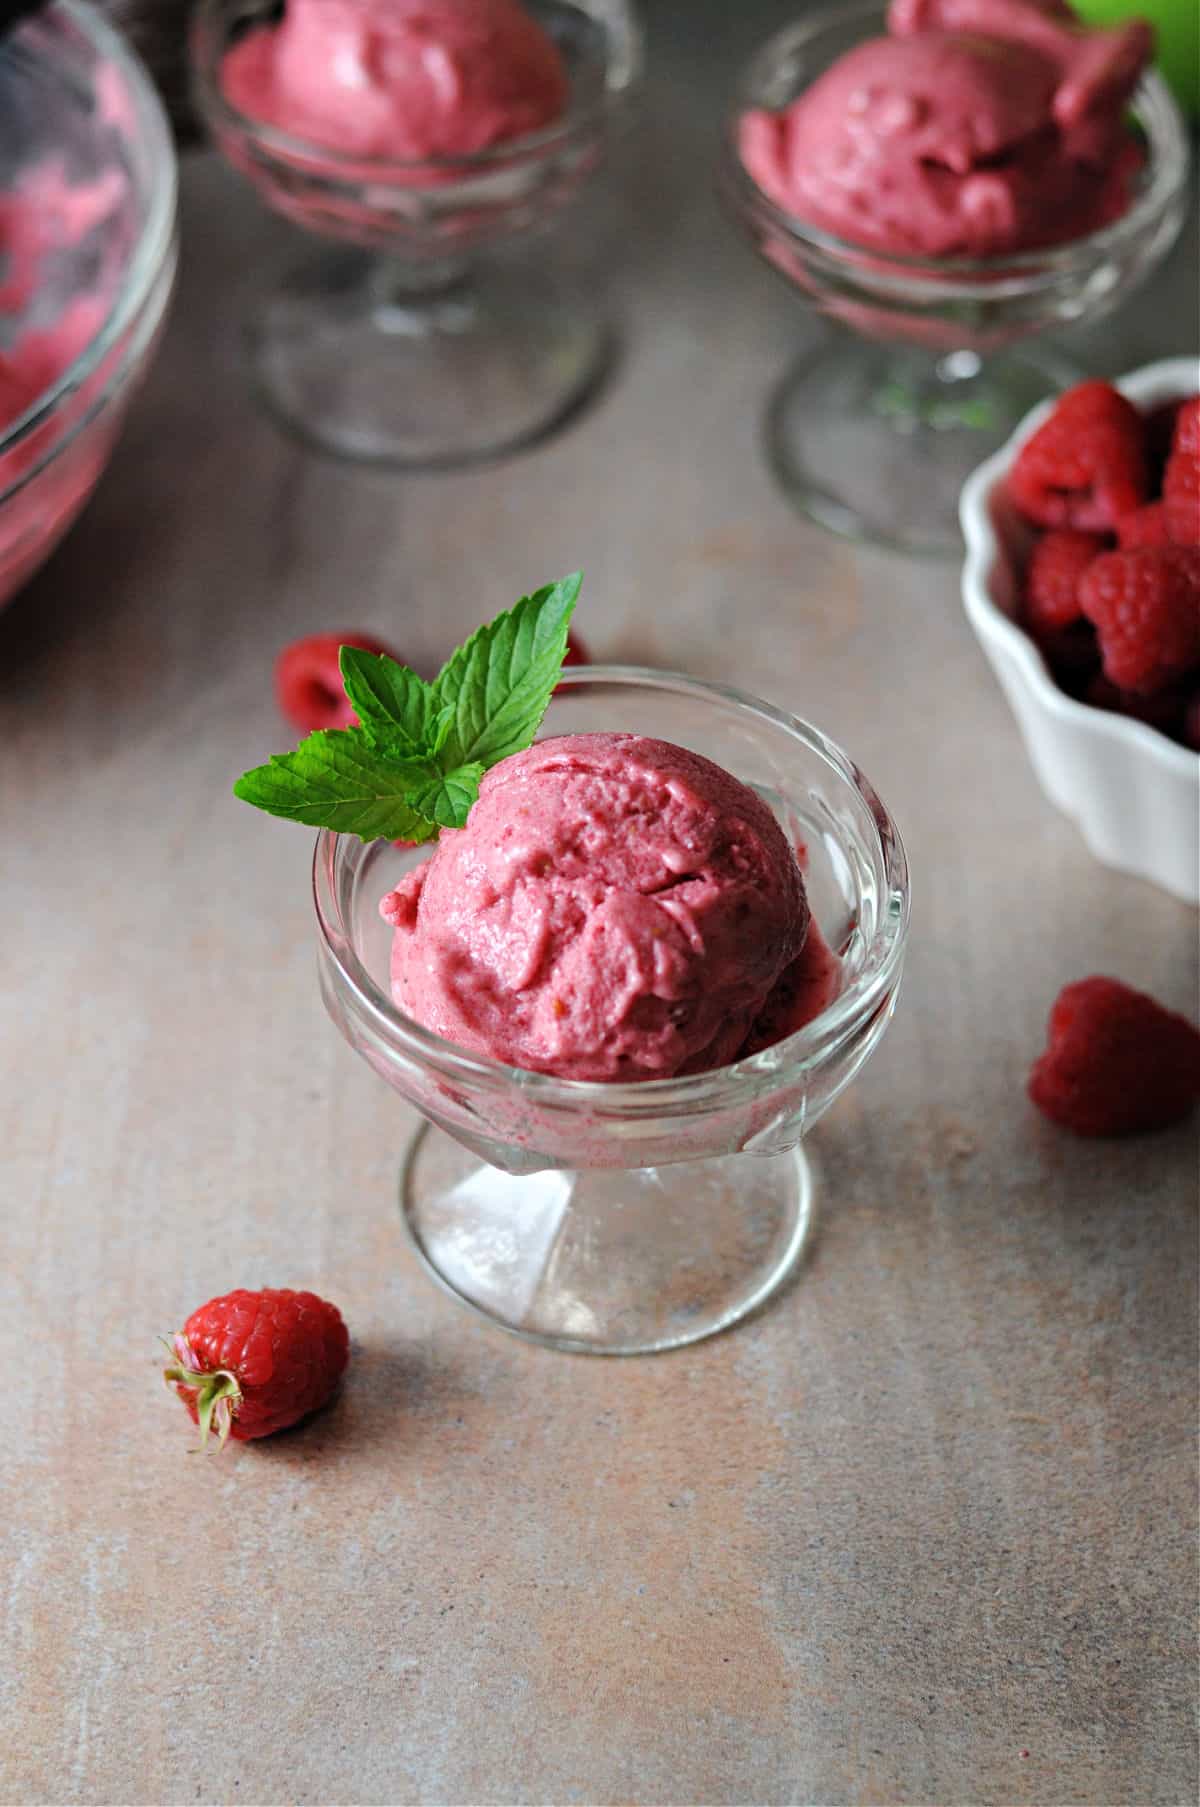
[{"x": 1133, "y": 794}]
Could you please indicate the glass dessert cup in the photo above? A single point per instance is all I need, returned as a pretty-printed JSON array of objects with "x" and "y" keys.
[
  {"x": 621, "y": 1219},
  {"x": 75, "y": 98},
  {"x": 432, "y": 331},
  {"x": 924, "y": 375}
]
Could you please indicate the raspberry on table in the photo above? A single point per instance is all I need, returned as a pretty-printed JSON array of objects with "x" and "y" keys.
[
  {"x": 252, "y": 1363},
  {"x": 1181, "y": 479},
  {"x": 1116, "y": 1062},
  {"x": 576, "y": 654},
  {"x": 1058, "y": 561},
  {"x": 308, "y": 680},
  {"x": 1086, "y": 465},
  {"x": 1145, "y": 605}
]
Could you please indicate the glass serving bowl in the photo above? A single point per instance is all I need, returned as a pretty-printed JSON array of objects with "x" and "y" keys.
[
  {"x": 86, "y": 154},
  {"x": 620, "y": 1219},
  {"x": 444, "y": 335},
  {"x": 874, "y": 435}
]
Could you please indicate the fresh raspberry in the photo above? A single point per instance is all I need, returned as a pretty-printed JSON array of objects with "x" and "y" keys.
[
  {"x": 1116, "y": 1062},
  {"x": 1164, "y": 710},
  {"x": 576, "y": 653},
  {"x": 1059, "y": 560},
  {"x": 1146, "y": 608},
  {"x": 255, "y": 1362},
  {"x": 1189, "y": 734},
  {"x": 1073, "y": 655},
  {"x": 1158, "y": 424},
  {"x": 1181, "y": 479},
  {"x": 1146, "y": 526},
  {"x": 1086, "y": 465},
  {"x": 308, "y": 682}
]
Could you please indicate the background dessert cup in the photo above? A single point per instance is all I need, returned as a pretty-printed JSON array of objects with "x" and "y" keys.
[
  {"x": 434, "y": 329},
  {"x": 620, "y": 1219},
  {"x": 87, "y": 262},
  {"x": 875, "y": 431}
]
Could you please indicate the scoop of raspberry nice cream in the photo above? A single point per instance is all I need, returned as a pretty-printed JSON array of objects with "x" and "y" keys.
[
  {"x": 975, "y": 128},
  {"x": 616, "y": 908},
  {"x": 401, "y": 79}
]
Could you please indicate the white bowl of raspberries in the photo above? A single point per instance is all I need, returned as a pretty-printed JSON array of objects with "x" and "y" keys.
[{"x": 1082, "y": 582}]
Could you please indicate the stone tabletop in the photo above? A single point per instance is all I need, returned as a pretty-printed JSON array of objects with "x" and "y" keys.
[{"x": 925, "y": 1530}]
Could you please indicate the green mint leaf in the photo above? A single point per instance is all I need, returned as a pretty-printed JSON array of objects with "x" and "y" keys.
[
  {"x": 499, "y": 683},
  {"x": 415, "y": 763},
  {"x": 391, "y": 702},
  {"x": 337, "y": 778},
  {"x": 446, "y": 797},
  {"x": 439, "y": 730}
]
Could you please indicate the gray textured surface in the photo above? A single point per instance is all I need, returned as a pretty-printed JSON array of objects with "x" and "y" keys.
[{"x": 924, "y": 1532}]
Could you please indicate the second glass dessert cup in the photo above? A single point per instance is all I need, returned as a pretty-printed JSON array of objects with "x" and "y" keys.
[
  {"x": 926, "y": 372},
  {"x": 622, "y": 1219},
  {"x": 433, "y": 330}
]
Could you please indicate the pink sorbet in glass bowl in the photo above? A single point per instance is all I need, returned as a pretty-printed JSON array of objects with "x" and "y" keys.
[
  {"x": 409, "y": 81},
  {"x": 973, "y": 128},
  {"x": 616, "y": 908}
]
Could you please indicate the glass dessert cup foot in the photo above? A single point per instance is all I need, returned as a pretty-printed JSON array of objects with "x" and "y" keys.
[
  {"x": 623, "y": 1218},
  {"x": 446, "y": 335},
  {"x": 934, "y": 362},
  {"x": 610, "y": 1263},
  {"x": 876, "y": 441},
  {"x": 368, "y": 359}
]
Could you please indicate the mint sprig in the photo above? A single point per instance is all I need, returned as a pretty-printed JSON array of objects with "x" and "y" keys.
[
  {"x": 414, "y": 763},
  {"x": 390, "y": 701}
]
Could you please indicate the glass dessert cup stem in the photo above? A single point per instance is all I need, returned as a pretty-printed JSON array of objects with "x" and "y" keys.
[
  {"x": 607, "y": 1262},
  {"x": 875, "y": 440},
  {"x": 425, "y": 364}
]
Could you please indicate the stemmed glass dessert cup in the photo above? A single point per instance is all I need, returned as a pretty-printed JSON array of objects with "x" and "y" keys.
[
  {"x": 619, "y": 1219},
  {"x": 874, "y": 432},
  {"x": 433, "y": 328}
]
